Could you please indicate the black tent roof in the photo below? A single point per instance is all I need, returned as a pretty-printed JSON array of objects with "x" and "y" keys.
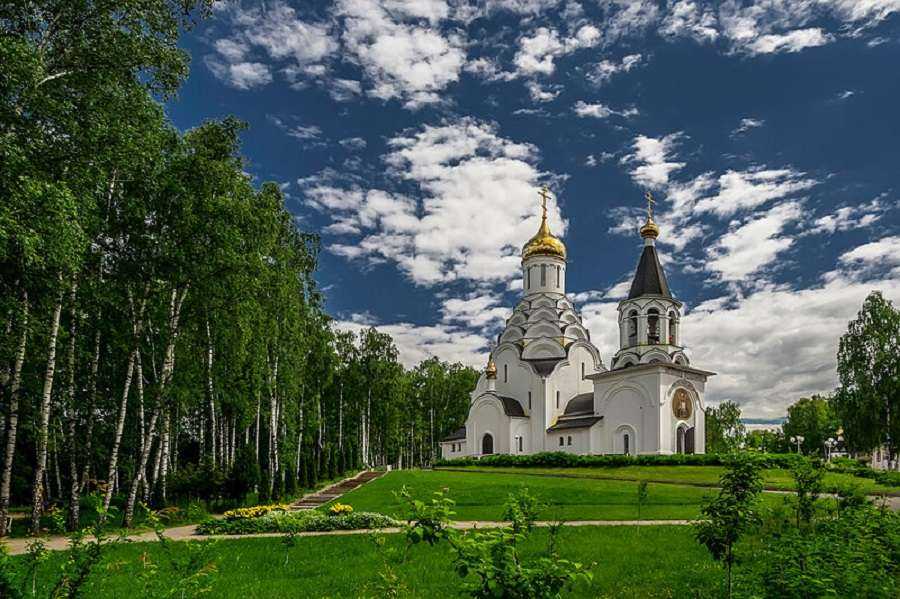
[{"x": 649, "y": 278}]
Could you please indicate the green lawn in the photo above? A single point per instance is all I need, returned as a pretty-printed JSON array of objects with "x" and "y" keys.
[
  {"x": 704, "y": 475},
  {"x": 625, "y": 561},
  {"x": 480, "y": 495}
]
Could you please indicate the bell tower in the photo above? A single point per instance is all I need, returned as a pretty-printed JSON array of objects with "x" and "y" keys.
[
  {"x": 544, "y": 258},
  {"x": 650, "y": 317}
]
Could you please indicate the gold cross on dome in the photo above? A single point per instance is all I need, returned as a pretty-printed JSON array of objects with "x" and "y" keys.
[
  {"x": 650, "y": 201},
  {"x": 545, "y": 195}
]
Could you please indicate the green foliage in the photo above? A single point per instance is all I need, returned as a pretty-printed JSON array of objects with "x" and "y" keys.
[
  {"x": 808, "y": 480},
  {"x": 814, "y": 419},
  {"x": 569, "y": 460},
  {"x": 724, "y": 430},
  {"x": 641, "y": 496},
  {"x": 244, "y": 474},
  {"x": 726, "y": 517},
  {"x": 856, "y": 554},
  {"x": 868, "y": 398},
  {"x": 428, "y": 521},
  {"x": 521, "y": 509},
  {"x": 296, "y": 522}
]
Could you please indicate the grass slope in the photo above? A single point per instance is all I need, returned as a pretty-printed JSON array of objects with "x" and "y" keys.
[
  {"x": 348, "y": 566},
  {"x": 481, "y": 495}
]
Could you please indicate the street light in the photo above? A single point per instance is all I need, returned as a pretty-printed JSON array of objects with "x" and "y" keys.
[
  {"x": 798, "y": 439},
  {"x": 830, "y": 444}
]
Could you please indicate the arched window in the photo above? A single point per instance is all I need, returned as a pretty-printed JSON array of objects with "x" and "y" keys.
[
  {"x": 632, "y": 328},
  {"x": 543, "y": 275},
  {"x": 582, "y": 370},
  {"x": 679, "y": 443},
  {"x": 569, "y": 440},
  {"x": 557, "y": 400},
  {"x": 529, "y": 401},
  {"x": 653, "y": 326},
  {"x": 487, "y": 444},
  {"x": 506, "y": 373},
  {"x": 557, "y": 276},
  {"x": 673, "y": 328},
  {"x": 626, "y": 441},
  {"x": 528, "y": 278},
  {"x": 521, "y": 443},
  {"x": 562, "y": 441}
]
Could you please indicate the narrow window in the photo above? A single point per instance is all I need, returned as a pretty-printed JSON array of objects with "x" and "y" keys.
[
  {"x": 653, "y": 326},
  {"x": 561, "y": 441},
  {"x": 569, "y": 441},
  {"x": 582, "y": 370},
  {"x": 543, "y": 275},
  {"x": 557, "y": 276},
  {"x": 557, "y": 400},
  {"x": 625, "y": 440},
  {"x": 632, "y": 328},
  {"x": 520, "y": 443},
  {"x": 673, "y": 329},
  {"x": 505, "y": 373},
  {"x": 529, "y": 401},
  {"x": 528, "y": 278}
]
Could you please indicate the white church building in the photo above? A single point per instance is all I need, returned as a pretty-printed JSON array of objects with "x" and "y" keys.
[{"x": 545, "y": 387}]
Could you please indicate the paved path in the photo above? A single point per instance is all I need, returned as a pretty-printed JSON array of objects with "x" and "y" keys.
[{"x": 186, "y": 533}]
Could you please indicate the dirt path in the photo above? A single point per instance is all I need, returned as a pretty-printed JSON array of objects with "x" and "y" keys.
[{"x": 186, "y": 533}]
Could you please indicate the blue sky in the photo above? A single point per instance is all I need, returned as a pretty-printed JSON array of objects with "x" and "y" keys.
[{"x": 414, "y": 134}]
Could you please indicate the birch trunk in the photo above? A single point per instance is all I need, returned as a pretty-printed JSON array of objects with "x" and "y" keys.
[
  {"x": 142, "y": 466},
  {"x": 273, "y": 423},
  {"x": 12, "y": 426},
  {"x": 92, "y": 402},
  {"x": 164, "y": 466},
  {"x": 72, "y": 417},
  {"x": 44, "y": 420},
  {"x": 175, "y": 303},
  {"x": 209, "y": 395}
]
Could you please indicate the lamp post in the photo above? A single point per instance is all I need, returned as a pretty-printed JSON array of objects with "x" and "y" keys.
[
  {"x": 798, "y": 439},
  {"x": 830, "y": 444}
]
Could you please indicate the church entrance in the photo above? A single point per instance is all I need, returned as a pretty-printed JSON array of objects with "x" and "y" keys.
[
  {"x": 685, "y": 439},
  {"x": 487, "y": 444}
]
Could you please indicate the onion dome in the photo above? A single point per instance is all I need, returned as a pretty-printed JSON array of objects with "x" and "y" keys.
[
  {"x": 649, "y": 230},
  {"x": 544, "y": 243},
  {"x": 490, "y": 370}
]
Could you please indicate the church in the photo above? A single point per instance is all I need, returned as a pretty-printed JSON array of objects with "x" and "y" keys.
[{"x": 546, "y": 388}]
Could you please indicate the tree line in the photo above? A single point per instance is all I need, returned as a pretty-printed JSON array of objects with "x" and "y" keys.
[
  {"x": 162, "y": 326},
  {"x": 864, "y": 410}
]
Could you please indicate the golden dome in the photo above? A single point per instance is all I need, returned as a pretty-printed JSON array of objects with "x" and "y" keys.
[
  {"x": 491, "y": 370},
  {"x": 649, "y": 229},
  {"x": 544, "y": 243}
]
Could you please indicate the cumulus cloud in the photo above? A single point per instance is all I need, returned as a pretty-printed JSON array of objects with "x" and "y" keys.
[
  {"x": 538, "y": 51},
  {"x": 478, "y": 201},
  {"x": 792, "y": 41},
  {"x": 652, "y": 158},
  {"x": 605, "y": 70},
  {"x": 754, "y": 244},
  {"x": 746, "y": 125},
  {"x": 743, "y": 190},
  {"x": 849, "y": 217},
  {"x": 600, "y": 111}
]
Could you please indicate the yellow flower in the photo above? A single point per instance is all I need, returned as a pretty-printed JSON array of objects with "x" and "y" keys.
[
  {"x": 255, "y": 511},
  {"x": 340, "y": 508}
]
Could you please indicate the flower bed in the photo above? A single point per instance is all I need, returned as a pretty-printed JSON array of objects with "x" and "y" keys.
[
  {"x": 255, "y": 511},
  {"x": 294, "y": 522}
]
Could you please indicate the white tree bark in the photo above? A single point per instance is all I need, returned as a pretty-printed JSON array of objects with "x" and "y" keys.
[
  {"x": 44, "y": 420},
  {"x": 12, "y": 426}
]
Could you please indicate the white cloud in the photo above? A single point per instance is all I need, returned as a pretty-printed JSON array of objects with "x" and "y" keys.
[
  {"x": 849, "y": 217},
  {"x": 746, "y": 125},
  {"x": 538, "y": 51},
  {"x": 478, "y": 203},
  {"x": 353, "y": 143},
  {"x": 652, "y": 154},
  {"x": 343, "y": 90},
  {"x": 744, "y": 190},
  {"x": 793, "y": 41},
  {"x": 240, "y": 75},
  {"x": 690, "y": 19},
  {"x": 750, "y": 247},
  {"x": 540, "y": 93},
  {"x": 881, "y": 254},
  {"x": 477, "y": 311},
  {"x": 604, "y": 70},
  {"x": 408, "y": 61},
  {"x": 600, "y": 111}
]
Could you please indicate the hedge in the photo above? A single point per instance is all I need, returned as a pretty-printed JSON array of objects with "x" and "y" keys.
[
  {"x": 293, "y": 522},
  {"x": 557, "y": 459}
]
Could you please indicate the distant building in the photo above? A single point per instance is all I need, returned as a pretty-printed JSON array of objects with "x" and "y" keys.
[{"x": 545, "y": 387}]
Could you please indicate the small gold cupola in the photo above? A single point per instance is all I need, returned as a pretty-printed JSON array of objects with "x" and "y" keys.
[
  {"x": 544, "y": 243},
  {"x": 490, "y": 371},
  {"x": 649, "y": 230}
]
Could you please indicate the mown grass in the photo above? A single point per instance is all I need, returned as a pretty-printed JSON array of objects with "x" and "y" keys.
[
  {"x": 626, "y": 561},
  {"x": 481, "y": 495},
  {"x": 774, "y": 478}
]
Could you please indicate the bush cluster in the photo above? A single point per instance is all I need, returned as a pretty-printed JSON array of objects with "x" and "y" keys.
[
  {"x": 294, "y": 522},
  {"x": 861, "y": 468},
  {"x": 568, "y": 460}
]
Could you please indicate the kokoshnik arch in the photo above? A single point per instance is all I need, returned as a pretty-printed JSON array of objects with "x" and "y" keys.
[{"x": 545, "y": 387}]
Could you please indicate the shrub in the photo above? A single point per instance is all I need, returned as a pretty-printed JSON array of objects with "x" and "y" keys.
[
  {"x": 296, "y": 522},
  {"x": 255, "y": 511},
  {"x": 340, "y": 508},
  {"x": 568, "y": 460}
]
